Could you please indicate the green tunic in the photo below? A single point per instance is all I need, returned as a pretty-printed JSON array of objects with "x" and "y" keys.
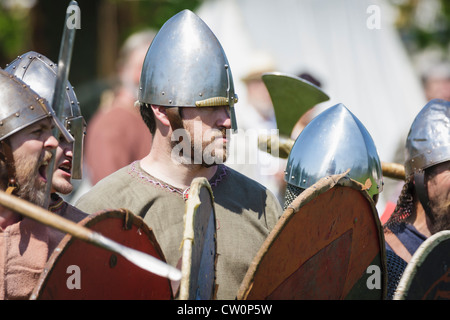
[{"x": 245, "y": 213}]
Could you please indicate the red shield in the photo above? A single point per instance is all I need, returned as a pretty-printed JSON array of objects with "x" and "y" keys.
[
  {"x": 427, "y": 275},
  {"x": 79, "y": 270},
  {"x": 199, "y": 244},
  {"x": 327, "y": 245}
]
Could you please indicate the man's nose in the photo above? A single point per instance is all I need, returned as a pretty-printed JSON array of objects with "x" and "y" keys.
[
  {"x": 51, "y": 142},
  {"x": 225, "y": 120}
]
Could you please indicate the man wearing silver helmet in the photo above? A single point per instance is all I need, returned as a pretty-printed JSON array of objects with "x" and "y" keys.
[
  {"x": 423, "y": 207},
  {"x": 26, "y": 140},
  {"x": 334, "y": 141},
  {"x": 316, "y": 154},
  {"x": 39, "y": 72},
  {"x": 187, "y": 94}
]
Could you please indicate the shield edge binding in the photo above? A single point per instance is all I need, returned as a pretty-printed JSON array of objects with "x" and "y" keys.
[
  {"x": 401, "y": 293},
  {"x": 129, "y": 220},
  {"x": 192, "y": 205},
  {"x": 309, "y": 194}
]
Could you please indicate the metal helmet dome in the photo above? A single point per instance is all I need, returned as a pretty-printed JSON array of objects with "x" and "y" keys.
[
  {"x": 186, "y": 66},
  {"x": 22, "y": 107},
  {"x": 40, "y": 73},
  {"x": 428, "y": 141},
  {"x": 333, "y": 142}
]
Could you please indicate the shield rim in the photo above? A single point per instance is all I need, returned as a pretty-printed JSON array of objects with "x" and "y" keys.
[
  {"x": 64, "y": 244},
  {"x": 192, "y": 204},
  {"x": 416, "y": 261},
  {"x": 305, "y": 197}
]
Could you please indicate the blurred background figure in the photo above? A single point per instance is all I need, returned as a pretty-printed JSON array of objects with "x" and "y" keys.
[
  {"x": 256, "y": 116},
  {"x": 116, "y": 134},
  {"x": 436, "y": 81}
]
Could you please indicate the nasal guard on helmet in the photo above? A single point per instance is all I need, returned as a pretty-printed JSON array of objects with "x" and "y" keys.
[
  {"x": 428, "y": 141},
  {"x": 186, "y": 66},
  {"x": 332, "y": 143},
  {"x": 40, "y": 73}
]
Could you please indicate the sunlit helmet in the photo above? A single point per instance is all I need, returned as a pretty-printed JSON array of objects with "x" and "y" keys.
[
  {"x": 333, "y": 142},
  {"x": 22, "y": 107},
  {"x": 427, "y": 144},
  {"x": 186, "y": 66},
  {"x": 40, "y": 74},
  {"x": 428, "y": 141}
]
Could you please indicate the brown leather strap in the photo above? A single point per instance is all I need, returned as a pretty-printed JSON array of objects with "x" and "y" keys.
[{"x": 397, "y": 246}]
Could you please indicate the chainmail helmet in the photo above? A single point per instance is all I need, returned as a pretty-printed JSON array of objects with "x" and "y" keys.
[
  {"x": 40, "y": 73},
  {"x": 186, "y": 66},
  {"x": 427, "y": 144},
  {"x": 20, "y": 108},
  {"x": 332, "y": 143}
]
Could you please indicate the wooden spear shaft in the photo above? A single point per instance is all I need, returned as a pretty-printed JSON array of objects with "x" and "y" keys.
[
  {"x": 43, "y": 216},
  {"x": 393, "y": 170},
  {"x": 266, "y": 143},
  {"x": 141, "y": 259}
]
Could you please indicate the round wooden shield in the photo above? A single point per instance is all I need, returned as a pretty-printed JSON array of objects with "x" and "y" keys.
[
  {"x": 199, "y": 244},
  {"x": 328, "y": 244},
  {"x": 427, "y": 275},
  {"x": 78, "y": 270}
]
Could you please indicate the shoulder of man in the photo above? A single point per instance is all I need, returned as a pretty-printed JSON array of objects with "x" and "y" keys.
[{"x": 105, "y": 192}]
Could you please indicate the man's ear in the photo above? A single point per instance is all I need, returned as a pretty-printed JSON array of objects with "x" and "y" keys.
[{"x": 161, "y": 114}]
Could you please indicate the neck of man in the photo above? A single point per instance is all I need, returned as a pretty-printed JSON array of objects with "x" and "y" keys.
[{"x": 160, "y": 164}]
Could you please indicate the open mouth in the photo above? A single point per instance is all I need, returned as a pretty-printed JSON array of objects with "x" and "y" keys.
[
  {"x": 43, "y": 170},
  {"x": 66, "y": 167}
]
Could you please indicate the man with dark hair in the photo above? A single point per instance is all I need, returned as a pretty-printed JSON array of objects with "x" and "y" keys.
[{"x": 187, "y": 101}]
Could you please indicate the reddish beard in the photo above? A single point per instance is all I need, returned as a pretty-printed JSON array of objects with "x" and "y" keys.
[{"x": 31, "y": 188}]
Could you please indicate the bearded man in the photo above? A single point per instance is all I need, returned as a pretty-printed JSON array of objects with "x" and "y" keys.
[
  {"x": 26, "y": 142},
  {"x": 423, "y": 207},
  {"x": 187, "y": 101},
  {"x": 40, "y": 73}
]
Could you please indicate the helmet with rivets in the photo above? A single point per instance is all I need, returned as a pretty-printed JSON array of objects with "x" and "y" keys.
[
  {"x": 428, "y": 141},
  {"x": 22, "y": 107},
  {"x": 40, "y": 73},
  {"x": 333, "y": 142},
  {"x": 186, "y": 66}
]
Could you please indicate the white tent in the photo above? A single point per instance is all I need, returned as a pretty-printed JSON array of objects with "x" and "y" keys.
[{"x": 351, "y": 46}]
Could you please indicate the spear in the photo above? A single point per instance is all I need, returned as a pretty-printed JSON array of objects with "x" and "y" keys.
[
  {"x": 268, "y": 142},
  {"x": 64, "y": 59},
  {"x": 141, "y": 259}
]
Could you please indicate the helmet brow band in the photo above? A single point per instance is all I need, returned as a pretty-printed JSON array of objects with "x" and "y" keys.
[{"x": 212, "y": 102}]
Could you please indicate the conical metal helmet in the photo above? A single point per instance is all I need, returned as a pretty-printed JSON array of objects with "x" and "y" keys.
[
  {"x": 186, "y": 66},
  {"x": 40, "y": 73},
  {"x": 333, "y": 142},
  {"x": 428, "y": 141},
  {"x": 22, "y": 107}
]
